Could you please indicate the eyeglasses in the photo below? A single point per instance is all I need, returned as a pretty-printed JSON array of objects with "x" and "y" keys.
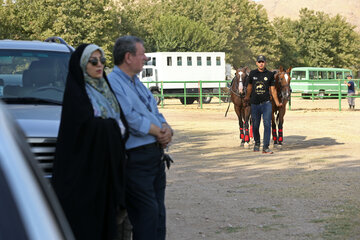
[
  {"x": 260, "y": 61},
  {"x": 95, "y": 61}
]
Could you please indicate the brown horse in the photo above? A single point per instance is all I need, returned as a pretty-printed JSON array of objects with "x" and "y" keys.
[
  {"x": 242, "y": 109},
  {"x": 282, "y": 85}
]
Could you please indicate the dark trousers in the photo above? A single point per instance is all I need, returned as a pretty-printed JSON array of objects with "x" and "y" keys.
[
  {"x": 145, "y": 193},
  {"x": 265, "y": 110}
]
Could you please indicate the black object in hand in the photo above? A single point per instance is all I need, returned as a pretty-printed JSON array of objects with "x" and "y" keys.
[{"x": 168, "y": 160}]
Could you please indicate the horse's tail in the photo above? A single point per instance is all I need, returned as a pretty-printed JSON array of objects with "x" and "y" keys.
[{"x": 227, "y": 108}]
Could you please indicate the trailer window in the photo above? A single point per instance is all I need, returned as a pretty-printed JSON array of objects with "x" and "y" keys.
[
  {"x": 154, "y": 61},
  {"x": 198, "y": 59},
  {"x": 218, "y": 63},
  {"x": 179, "y": 61},
  {"x": 169, "y": 61},
  {"x": 189, "y": 61},
  {"x": 208, "y": 61}
]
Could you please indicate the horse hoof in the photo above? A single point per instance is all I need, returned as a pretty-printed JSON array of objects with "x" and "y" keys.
[{"x": 246, "y": 145}]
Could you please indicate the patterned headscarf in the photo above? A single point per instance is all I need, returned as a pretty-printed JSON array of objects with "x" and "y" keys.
[{"x": 98, "y": 83}]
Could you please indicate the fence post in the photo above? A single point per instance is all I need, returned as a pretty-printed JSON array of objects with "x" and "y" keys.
[
  {"x": 340, "y": 95},
  {"x": 184, "y": 93},
  {"x": 219, "y": 92},
  {"x": 200, "y": 99},
  {"x": 312, "y": 90},
  {"x": 162, "y": 94}
]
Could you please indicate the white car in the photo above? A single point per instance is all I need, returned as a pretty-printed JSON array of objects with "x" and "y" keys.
[{"x": 32, "y": 83}]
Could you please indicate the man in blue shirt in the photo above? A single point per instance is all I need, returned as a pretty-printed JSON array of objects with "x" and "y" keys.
[
  {"x": 149, "y": 135},
  {"x": 351, "y": 91}
]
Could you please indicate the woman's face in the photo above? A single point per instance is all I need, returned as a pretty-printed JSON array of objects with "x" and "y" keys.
[{"x": 95, "y": 71}]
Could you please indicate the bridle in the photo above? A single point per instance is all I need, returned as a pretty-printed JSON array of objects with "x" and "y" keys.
[
  {"x": 239, "y": 85},
  {"x": 285, "y": 90}
]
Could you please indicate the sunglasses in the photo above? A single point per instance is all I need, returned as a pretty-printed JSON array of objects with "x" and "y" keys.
[
  {"x": 260, "y": 61},
  {"x": 95, "y": 61}
]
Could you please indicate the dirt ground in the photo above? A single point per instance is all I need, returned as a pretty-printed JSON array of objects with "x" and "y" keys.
[{"x": 308, "y": 189}]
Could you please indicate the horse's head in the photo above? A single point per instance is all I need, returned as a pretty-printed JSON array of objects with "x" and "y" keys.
[
  {"x": 242, "y": 76},
  {"x": 282, "y": 79}
]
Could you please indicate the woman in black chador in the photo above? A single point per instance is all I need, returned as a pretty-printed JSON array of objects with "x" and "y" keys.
[{"x": 90, "y": 153}]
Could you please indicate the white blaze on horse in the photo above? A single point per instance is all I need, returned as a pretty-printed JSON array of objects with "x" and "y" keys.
[
  {"x": 282, "y": 85},
  {"x": 242, "y": 109}
]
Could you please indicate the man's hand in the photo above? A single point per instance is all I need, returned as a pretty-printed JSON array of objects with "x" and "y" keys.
[
  {"x": 247, "y": 99},
  {"x": 279, "y": 104},
  {"x": 165, "y": 135}
]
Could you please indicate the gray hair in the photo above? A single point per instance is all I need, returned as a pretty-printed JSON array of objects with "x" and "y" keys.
[{"x": 123, "y": 45}]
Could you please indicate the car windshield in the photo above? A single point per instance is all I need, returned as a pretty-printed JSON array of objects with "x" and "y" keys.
[{"x": 33, "y": 76}]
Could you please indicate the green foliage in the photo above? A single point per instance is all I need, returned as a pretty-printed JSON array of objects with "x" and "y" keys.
[
  {"x": 240, "y": 28},
  {"x": 178, "y": 33},
  {"x": 75, "y": 21},
  {"x": 318, "y": 40}
]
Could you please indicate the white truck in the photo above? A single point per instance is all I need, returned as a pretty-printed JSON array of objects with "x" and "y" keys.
[{"x": 171, "y": 69}]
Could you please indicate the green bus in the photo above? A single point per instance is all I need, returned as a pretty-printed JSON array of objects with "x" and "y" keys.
[{"x": 319, "y": 81}]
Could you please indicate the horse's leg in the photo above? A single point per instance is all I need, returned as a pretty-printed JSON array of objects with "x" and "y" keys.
[
  {"x": 241, "y": 120},
  {"x": 251, "y": 125},
  {"x": 238, "y": 113},
  {"x": 246, "y": 123},
  {"x": 281, "y": 122},
  {"x": 273, "y": 126}
]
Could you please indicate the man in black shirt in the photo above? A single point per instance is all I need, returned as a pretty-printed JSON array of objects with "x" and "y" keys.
[{"x": 261, "y": 83}]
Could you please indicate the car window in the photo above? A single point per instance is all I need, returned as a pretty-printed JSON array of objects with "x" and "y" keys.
[{"x": 33, "y": 74}]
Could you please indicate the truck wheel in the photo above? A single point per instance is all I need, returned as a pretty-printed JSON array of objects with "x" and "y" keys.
[
  {"x": 189, "y": 100},
  {"x": 157, "y": 98},
  {"x": 321, "y": 94},
  {"x": 206, "y": 99}
]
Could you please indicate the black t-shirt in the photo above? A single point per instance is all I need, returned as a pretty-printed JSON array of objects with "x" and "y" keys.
[{"x": 261, "y": 82}]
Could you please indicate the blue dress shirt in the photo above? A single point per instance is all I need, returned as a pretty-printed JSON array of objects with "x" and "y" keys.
[{"x": 139, "y": 107}]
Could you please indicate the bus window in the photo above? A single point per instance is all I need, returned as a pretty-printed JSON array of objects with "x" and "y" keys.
[
  {"x": 323, "y": 75},
  {"x": 299, "y": 75},
  {"x": 169, "y": 61},
  {"x": 198, "y": 59},
  {"x": 313, "y": 75},
  {"x": 179, "y": 61},
  {"x": 331, "y": 75},
  {"x": 346, "y": 74},
  {"x": 189, "y": 61},
  {"x": 208, "y": 61},
  {"x": 339, "y": 75}
]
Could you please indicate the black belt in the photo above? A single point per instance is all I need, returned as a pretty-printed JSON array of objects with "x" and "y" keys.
[
  {"x": 146, "y": 146},
  {"x": 262, "y": 102}
]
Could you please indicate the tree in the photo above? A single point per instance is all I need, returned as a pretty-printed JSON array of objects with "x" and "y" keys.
[
  {"x": 318, "y": 40},
  {"x": 76, "y": 21},
  {"x": 288, "y": 47},
  {"x": 178, "y": 33}
]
